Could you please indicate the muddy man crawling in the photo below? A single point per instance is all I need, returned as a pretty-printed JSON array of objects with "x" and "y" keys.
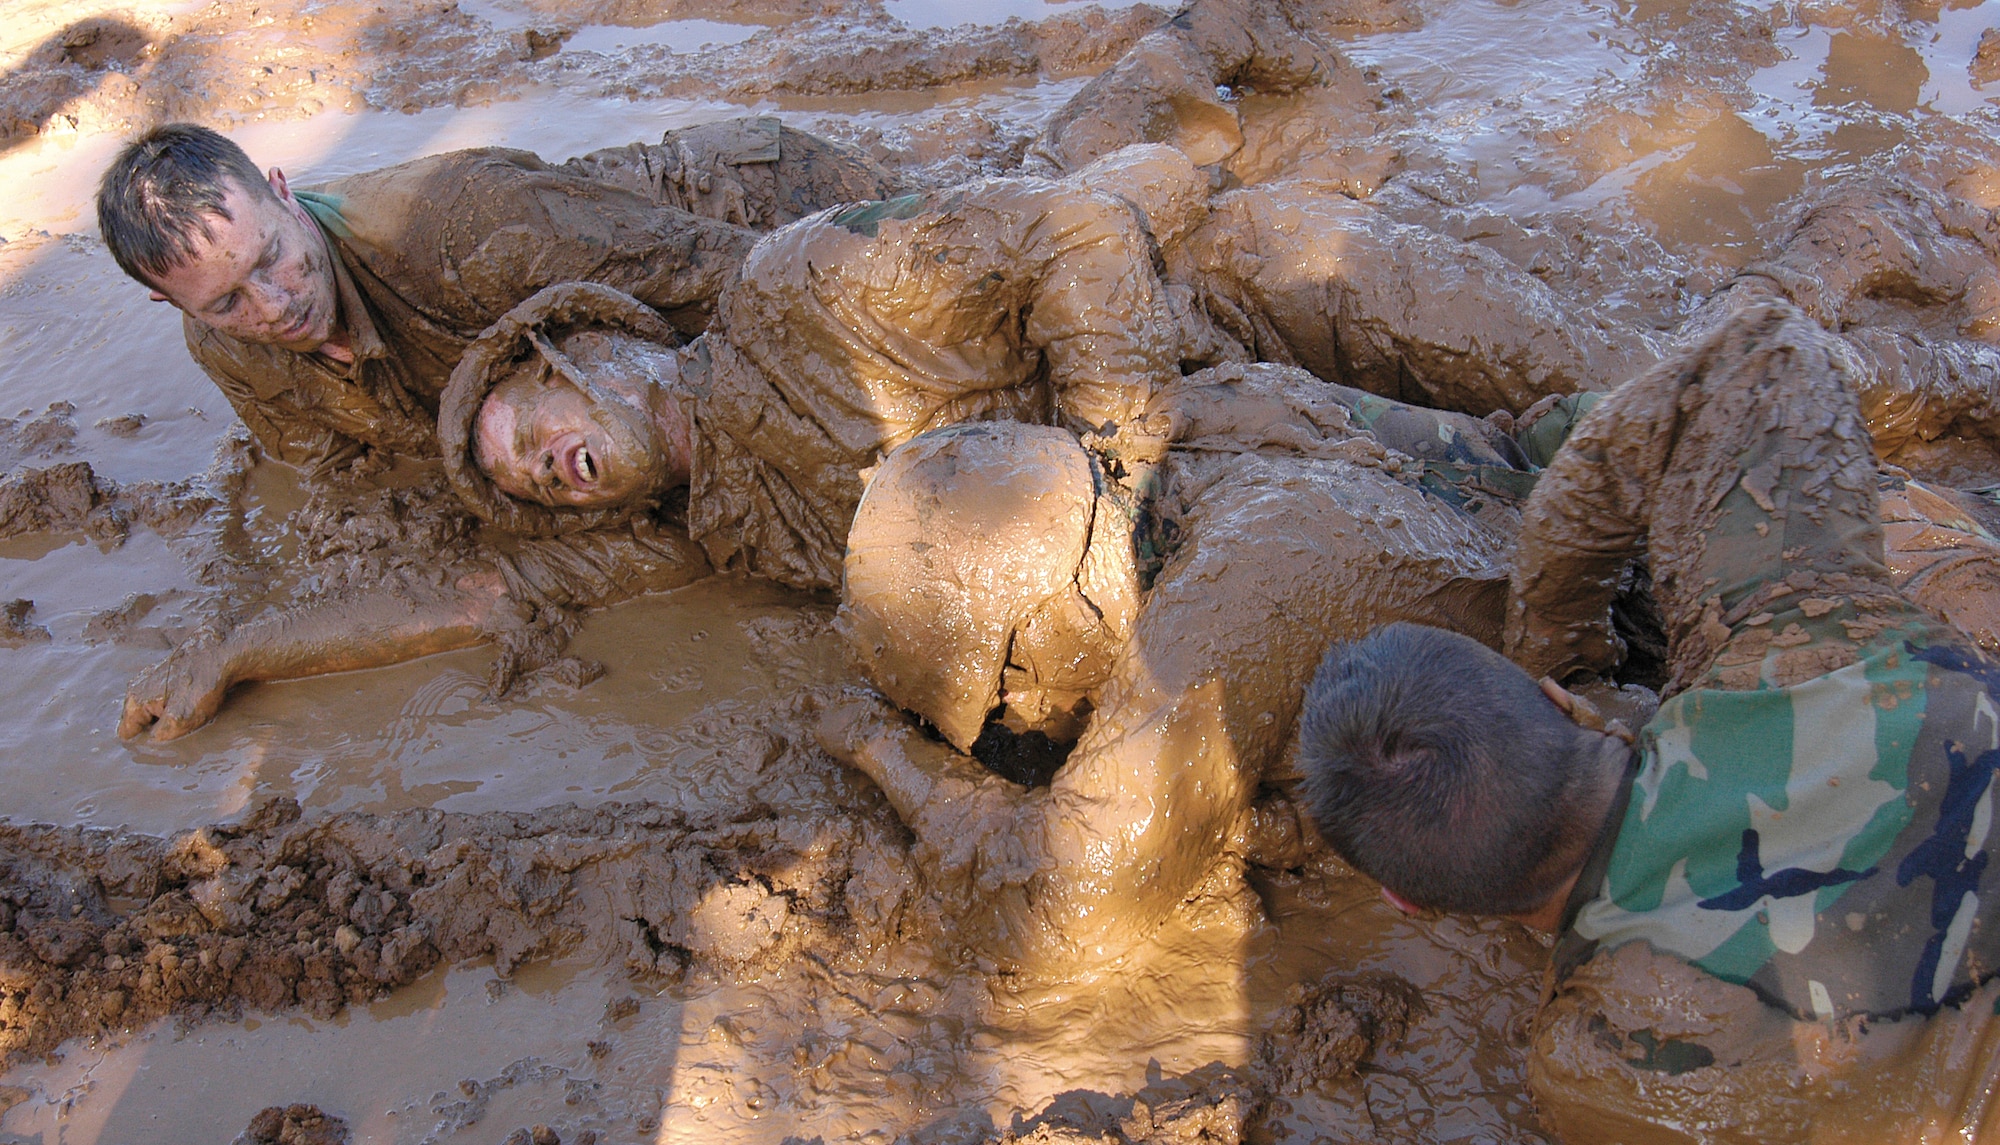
[
  {"x": 996, "y": 578},
  {"x": 1762, "y": 896}
]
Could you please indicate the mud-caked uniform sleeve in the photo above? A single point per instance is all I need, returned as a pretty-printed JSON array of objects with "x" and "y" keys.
[
  {"x": 1641, "y": 1041},
  {"x": 516, "y": 225},
  {"x": 1346, "y": 291},
  {"x": 601, "y": 566},
  {"x": 1742, "y": 469},
  {"x": 854, "y": 330},
  {"x": 288, "y": 430},
  {"x": 752, "y": 171},
  {"x": 1096, "y": 310}
]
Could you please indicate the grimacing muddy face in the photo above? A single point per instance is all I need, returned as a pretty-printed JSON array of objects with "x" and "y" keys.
[
  {"x": 264, "y": 275},
  {"x": 541, "y": 439}
]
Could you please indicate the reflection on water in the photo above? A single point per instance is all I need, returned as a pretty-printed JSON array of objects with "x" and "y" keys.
[{"x": 458, "y": 1057}]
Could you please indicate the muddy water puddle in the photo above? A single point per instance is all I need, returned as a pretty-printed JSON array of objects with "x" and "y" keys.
[{"x": 1620, "y": 112}]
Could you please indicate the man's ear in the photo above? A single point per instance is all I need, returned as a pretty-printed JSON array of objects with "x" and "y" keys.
[
  {"x": 1559, "y": 696},
  {"x": 1582, "y": 712},
  {"x": 157, "y": 296},
  {"x": 280, "y": 188}
]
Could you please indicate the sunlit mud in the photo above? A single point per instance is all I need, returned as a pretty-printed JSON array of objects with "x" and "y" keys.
[{"x": 650, "y": 907}]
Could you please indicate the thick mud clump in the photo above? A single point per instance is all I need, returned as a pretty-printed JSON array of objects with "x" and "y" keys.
[
  {"x": 294, "y": 1125},
  {"x": 1328, "y": 1030},
  {"x": 72, "y": 497},
  {"x": 280, "y": 912}
]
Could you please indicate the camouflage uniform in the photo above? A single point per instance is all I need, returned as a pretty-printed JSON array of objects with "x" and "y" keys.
[{"x": 1810, "y": 814}]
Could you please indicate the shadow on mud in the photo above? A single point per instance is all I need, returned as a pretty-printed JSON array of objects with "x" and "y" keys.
[{"x": 40, "y": 93}]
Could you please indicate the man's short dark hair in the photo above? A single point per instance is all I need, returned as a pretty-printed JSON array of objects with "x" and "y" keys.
[
  {"x": 157, "y": 196},
  {"x": 1438, "y": 768}
]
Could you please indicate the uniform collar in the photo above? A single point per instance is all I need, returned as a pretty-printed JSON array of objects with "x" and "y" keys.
[
  {"x": 356, "y": 317},
  {"x": 1572, "y": 949}
]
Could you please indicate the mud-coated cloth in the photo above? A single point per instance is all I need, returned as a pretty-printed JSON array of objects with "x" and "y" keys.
[
  {"x": 1317, "y": 280},
  {"x": 753, "y": 171},
  {"x": 601, "y": 566},
  {"x": 860, "y": 327},
  {"x": 1810, "y": 814},
  {"x": 1908, "y": 277},
  {"x": 425, "y": 256}
]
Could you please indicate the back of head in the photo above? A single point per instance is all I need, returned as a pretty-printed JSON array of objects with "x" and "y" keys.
[
  {"x": 962, "y": 535},
  {"x": 158, "y": 194},
  {"x": 1438, "y": 768}
]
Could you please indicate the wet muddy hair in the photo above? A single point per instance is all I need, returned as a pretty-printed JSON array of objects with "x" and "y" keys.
[
  {"x": 157, "y": 196},
  {"x": 1437, "y": 767}
]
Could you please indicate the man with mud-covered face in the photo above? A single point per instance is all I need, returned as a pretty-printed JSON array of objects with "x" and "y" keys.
[
  {"x": 1771, "y": 901},
  {"x": 260, "y": 271},
  {"x": 331, "y": 317},
  {"x": 610, "y": 441},
  {"x": 846, "y": 334}
]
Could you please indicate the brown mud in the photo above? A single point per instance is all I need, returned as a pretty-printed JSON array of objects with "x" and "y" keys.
[{"x": 651, "y": 908}]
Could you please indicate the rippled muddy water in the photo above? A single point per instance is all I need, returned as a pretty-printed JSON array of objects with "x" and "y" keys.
[{"x": 1653, "y": 142}]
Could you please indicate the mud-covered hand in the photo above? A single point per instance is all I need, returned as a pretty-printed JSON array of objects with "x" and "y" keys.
[
  {"x": 180, "y": 693},
  {"x": 866, "y": 732},
  {"x": 387, "y": 623},
  {"x": 966, "y": 816}
]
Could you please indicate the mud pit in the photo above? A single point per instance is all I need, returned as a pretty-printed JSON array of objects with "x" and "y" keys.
[{"x": 648, "y": 908}]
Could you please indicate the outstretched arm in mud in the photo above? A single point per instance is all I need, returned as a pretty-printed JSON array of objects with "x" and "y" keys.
[
  {"x": 405, "y": 616},
  {"x": 369, "y": 629}
]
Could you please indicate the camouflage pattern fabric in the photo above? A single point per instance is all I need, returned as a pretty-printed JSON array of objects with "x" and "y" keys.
[
  {"x": 1823, "y": 843},
  {"x": 1466, "y": 460}
]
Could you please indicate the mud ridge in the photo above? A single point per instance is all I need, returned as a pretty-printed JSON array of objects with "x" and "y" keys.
[{"x": 102, "y": 931}]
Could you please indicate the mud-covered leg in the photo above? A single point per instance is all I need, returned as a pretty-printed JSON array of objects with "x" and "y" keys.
[
  {"x": 1741, "y": 466},
  {"x": 1164, "y": 89},
  {"x": 1340, "y": 288},
  {"x": 1907, "y": 276}
]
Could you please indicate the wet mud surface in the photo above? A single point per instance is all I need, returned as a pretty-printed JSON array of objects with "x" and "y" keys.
[{"x": 645, "y": 905}]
